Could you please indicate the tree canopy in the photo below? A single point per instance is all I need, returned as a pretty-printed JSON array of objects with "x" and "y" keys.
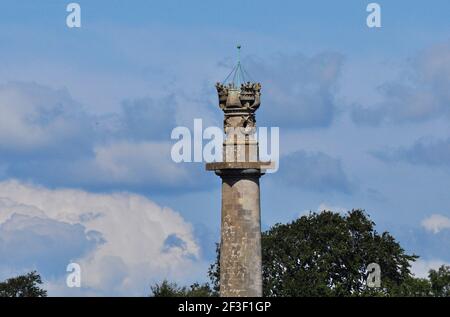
[
  {"x": 440, "y": 281},
  {"x": 27, "y": 285},
  {"x": 166, "y": 289},
  {"x": 327, "y": 254}
]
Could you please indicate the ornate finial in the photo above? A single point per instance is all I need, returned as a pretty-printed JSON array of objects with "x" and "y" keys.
[{"x": 239, "y": 97}]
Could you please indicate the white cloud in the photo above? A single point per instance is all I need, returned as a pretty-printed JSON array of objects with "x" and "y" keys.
[
  {"x": 420, "y": 268},
  {"x": 130, "y": 234},
  {"x": 436, "y": 223},
  {"x": 327, "y": 207}
]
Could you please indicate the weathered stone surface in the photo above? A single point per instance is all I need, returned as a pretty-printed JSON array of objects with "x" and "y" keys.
[
  {"x": 240, "y": 261},
  {"x": 240, "y": 249},
  {"x": 217, "y": 166}
]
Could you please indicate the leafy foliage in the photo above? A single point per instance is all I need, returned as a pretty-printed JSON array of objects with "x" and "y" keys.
[
  {"x": 440, "y": 281},
  {"x": 413, "y": 287},
  {"x": 23, "y": 286},
  {"x": 166, "y": 289},
  {"x": 326, "y": 254}
]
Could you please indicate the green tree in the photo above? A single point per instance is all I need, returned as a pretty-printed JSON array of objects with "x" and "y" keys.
[
  {"x": 413, "y": 287},
  {"x": 23, "y": 286},
  {"x": 166, "y": 289},
  {"x": 326, "y": 254},
  {"x": 440, "y": 281}
]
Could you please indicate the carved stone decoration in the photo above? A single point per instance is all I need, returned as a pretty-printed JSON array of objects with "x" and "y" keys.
[
  {"x": 239, "y": 104},
  {"x": 222, "y": 91}
]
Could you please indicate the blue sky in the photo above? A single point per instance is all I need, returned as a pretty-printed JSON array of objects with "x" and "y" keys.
[{"x": 86, "y": 115}]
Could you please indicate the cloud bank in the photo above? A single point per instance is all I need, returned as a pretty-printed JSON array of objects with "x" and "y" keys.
[
  {"x": 122, "y": 241},
  {"x": 49, "y": 138}
]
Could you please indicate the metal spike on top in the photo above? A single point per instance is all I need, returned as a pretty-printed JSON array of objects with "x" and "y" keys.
[{"x": 238, "y": 74}]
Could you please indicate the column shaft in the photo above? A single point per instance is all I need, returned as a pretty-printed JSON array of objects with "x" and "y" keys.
[{"x": 240, "y": 250}]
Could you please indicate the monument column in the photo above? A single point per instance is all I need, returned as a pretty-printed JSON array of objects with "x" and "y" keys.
[
  {"x": 240, "y": 250},
  {"x": 240, "y": 171}
]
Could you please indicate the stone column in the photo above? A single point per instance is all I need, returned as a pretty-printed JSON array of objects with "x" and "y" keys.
[
  {"x": 240, "y": 246},
  {"x": 240, "y": 249}
]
